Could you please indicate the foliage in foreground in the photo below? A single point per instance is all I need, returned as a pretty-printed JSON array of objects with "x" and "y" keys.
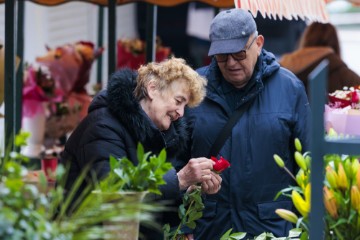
[
  {"x": 341, "y": 195},
  {"x": 31, "y": 210},
  {"x": 147, "y": 175}
]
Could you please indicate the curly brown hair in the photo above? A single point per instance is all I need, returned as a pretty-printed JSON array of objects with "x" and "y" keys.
[{"x": 167, "y": 71}]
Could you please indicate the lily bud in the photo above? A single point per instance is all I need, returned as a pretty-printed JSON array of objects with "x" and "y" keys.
[
  {"x": 342, "y": 178},
  {"x": 308, "y": 161},
  {"x": 298, "y": 145},
  {"x": 300, "y": 178},
  {"x": 331, "y": 177},
  {"x": 300, "y": 204},
  {"x": 279, "y": 161},
  {"x": 287, "y": 215},
  {"x": 355, "y": 197},
  {"x": 348, "y": 167},
  {"x": 307, "y": 195},
  {"x": 358, "y": 178},
  {"x": 330, "y": 203},
  {"x": 355, "y": 165},
  {"x": 300, "y": 160}
]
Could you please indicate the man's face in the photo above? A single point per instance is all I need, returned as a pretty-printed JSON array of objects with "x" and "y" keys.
[{"x": 239, "y": 72}]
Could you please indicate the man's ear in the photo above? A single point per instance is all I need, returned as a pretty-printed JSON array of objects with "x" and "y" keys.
[
  {"x": 151, "y": 89},
  {"x": 260, "y": 43}
]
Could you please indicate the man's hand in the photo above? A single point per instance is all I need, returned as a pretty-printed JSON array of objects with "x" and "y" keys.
[{"x": 212, "y": 185}]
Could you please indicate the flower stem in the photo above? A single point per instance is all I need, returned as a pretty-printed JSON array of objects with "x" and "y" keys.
[
  {"x": 291, "y": 175},
  {"x": 187, "y": 213}
]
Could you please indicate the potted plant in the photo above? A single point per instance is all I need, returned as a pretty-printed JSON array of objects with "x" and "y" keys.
[
  {"x": 29, "y": 209},
  {"x": 128, "y": 184}
]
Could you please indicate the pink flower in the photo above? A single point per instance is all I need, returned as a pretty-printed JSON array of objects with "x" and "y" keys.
[{"x": 220, "y": 164}]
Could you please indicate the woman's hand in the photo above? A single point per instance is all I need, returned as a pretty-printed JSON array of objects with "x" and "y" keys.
[{"x": 195, "y": 171}]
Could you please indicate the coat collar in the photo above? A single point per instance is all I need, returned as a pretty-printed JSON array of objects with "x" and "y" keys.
[{"x": 120, "y": 100}]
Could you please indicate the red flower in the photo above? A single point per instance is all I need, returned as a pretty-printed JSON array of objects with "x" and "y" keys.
[
  {"x": 354, "y": 97},
  {"x": 220, "y": 164}
]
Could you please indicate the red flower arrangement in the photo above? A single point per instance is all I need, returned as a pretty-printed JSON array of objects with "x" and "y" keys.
[
  {"x": 54, "y": 89},
  {"x": 131, "y": 53},
  {"x": 342, "y": 113},
  {"x": 39, "y": 87},
  {"x": 346, "y": 97}
]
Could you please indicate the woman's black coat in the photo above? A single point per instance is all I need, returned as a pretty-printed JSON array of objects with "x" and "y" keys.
[{"x": 115, "y": 124}]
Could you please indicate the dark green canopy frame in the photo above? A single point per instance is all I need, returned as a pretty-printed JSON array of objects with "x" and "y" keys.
[
  {"x": 14, "y": 34},
  {"x": 13, "y": 86}
]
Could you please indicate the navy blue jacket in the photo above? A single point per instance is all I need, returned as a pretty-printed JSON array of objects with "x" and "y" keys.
[{"x": 279, "y": 113}]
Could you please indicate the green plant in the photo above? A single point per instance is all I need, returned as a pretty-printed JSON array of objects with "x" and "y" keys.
[
  {"x": 293, "y": 234},
  {"x": 33, "y": 211},
  {"x": 341, "y": 195},
  {"x": 189, "y": 211},
  {"x": 147, "y": 175},
  {"x": 192, "y": 205},
  {"x": 25, "y": 210}
]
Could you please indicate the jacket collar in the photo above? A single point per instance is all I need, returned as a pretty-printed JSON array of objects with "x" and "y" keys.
[
  {"x": 265, "y": 67},
  {"x": 120, "y": 100}
]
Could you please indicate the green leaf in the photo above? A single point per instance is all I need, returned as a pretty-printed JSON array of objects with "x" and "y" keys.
[
  {"x": 295, "y": 232},
  {"x": 226, "y": 235},
  {"x": 140, "y": 153},
  {"x": 304, "y": 236},
  {"x": 238, "y": 235},
  {"x": 195, "y": 216},
  {"x": 191, "y": 225},
  {"x": 113, "y": 162}
]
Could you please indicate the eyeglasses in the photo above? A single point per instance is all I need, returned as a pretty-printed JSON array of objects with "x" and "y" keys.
[{"x": 238, "y": 56}]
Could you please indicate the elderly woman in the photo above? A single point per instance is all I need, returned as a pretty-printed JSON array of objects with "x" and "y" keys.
[{"x": 146, "y": 107}]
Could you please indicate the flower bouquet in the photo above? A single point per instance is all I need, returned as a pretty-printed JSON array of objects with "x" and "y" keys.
[
  {"x": 342, "y": 113},
  {"x": 341, "y": 195},
  {"x": 38, "y": 93},
  {"x": 131, "y": 53},
  {"x": 39, "y": 87},
  {"x": 70, "y": 66}
]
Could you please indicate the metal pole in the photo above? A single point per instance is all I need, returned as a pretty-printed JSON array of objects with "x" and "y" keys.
[
  {"x": 9, "y": 97},
  {"x": 20, "y": 71},
  {"x": 151, "y": 25},
  {"x": 100, "y": 44},
  {"x": 317, "y": 85},
  {"x": 112, "y": 37}
]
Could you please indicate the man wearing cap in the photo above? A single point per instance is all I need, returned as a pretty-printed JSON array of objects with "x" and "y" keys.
[{"x": 242, "y": 75}]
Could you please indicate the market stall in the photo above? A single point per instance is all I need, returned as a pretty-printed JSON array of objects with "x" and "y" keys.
[
  {"x": 312, "y": 10},
  {"x": 13, "y": 84}
]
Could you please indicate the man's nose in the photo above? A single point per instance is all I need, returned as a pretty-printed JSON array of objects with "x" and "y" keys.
[{"x": 230, "y": 60}]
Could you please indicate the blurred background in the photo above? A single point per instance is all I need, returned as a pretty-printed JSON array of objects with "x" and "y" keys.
[{"x": 183, "y": 28}]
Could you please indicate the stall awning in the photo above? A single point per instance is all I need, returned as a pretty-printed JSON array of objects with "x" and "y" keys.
[
  {"x": 312, "y": 10},
  {"x": 163, "y": 3}
]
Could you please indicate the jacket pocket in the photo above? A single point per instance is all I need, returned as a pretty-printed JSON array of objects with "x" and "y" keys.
[{"x": 267, "y": 210}]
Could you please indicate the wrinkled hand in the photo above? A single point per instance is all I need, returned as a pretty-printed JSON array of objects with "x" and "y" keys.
[
  {"x": 195, "y": 171},
  {"x": 212, "y": 185}
]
